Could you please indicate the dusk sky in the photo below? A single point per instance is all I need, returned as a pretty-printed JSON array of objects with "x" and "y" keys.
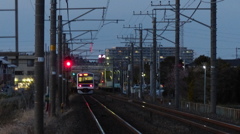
[{"x": 195, "y": 36}]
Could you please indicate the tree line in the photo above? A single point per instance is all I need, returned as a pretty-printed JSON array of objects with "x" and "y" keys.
[{"x": 191, "y": 80}]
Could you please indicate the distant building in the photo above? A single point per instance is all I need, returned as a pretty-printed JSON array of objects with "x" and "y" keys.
[
  {"x": 6, "y": 74},
  {"x": 162, "y": 52},
  {"x": 233, "y": 62},
  {"x": 24, "y": 72}
]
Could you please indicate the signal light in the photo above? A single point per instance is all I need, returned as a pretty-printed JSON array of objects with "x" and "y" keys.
[{"x": 67, "y": 62}]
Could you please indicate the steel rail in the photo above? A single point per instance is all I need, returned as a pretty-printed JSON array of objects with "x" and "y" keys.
[
  {"x": 146, "y": 106},
  {"x": 208, "y": 120},
  {"x": 94, "y": 117},
  {"x": 129, "y": 126}
]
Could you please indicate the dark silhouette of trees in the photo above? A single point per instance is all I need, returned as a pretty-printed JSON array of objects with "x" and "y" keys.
[
  {"x": 192, "y": 80},
  {"x": 228, "y": 83},
  {"x": 168, "y": 76}
]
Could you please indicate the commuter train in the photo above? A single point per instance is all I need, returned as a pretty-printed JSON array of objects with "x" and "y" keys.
[
  {"x": 107, "y": 80},
  {"x": 85, "y": 83}
]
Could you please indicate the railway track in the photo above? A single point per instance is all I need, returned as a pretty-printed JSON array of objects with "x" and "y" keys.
[
  {"x": 202, "y": 123},
  {"x": 114, "y": 114},
  {"x": 106, "y": 120}
]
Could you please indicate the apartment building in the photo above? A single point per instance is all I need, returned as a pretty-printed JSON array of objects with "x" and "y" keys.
[
  {"x": 6, "y": 72},
  {"x": 162, "y": 52},
  {"x": 24, "y": 72}
]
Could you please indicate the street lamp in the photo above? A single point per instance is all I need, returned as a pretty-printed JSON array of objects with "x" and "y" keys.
[{"x": 204, "y": 92}]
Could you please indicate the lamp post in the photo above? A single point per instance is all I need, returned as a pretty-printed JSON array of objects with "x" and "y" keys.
[{"x": 204, "y": 92}]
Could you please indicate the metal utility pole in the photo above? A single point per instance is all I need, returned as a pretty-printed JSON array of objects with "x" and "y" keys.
[
  {"x": 52, "y": 82},
  {"x": 177, "y": 39},
  {"x": 63, "y": 73},
  {"x": 213, "y": 54},
  {"x": 177, "y": 42},
  {"x": 16, "y": 28},
  {"x": 154, "y": 59},
  {"x": 65, "y": 91},
  {"x": 132, "y": 67},
  {"x": 237, "y": 53},
  {"x": 113, "y": 75},
  {"x": 129, "y": 73},
  {"x": 16, "y": 33},
  {"x": 141, "y": 63},
  {"x": 39, "y": 67},
  {"x": 59, "y": 61}
]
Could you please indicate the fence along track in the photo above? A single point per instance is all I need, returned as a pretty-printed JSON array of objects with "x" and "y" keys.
[
  {"x": 204, "y": 119},
  {"x": 155, "y": 109}
]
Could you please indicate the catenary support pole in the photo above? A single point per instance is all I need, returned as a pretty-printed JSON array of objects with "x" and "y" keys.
[
  {"x": 141, "y": 63},
  {"x": 16, "y": 29},
  {"x": 39, "y": 67},
  {"x": 53, "y": 58},
  {"x": 213, "y": 55},
  {"x": 132, "y": 68},
  {"x": 63, "y": 73},
  {"x": 60, "y": 60},
  {"x": 154, "y": 51},
  {"x": 177, "y": 42}
]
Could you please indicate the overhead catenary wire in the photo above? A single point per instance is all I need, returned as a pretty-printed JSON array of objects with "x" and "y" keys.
[
  {"x": 104, "y": 15},
  {"x": 69, "y": 24},
  {"x": 93, "y": 36}
]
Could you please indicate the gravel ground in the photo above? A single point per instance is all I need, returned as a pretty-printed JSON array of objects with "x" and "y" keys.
[{"x": 71, "y": 122}]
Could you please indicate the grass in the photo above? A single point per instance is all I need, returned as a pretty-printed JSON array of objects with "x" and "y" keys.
[
  {"x": 16, "y": 114},
  {"x": 21, "y": 124}
]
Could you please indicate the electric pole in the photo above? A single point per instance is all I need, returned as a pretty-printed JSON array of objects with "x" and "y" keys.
[
  {"x": 59, "y": 61},
  {"x": 154, "y": 51},
  {"x": 213, "y": 55},
  {"x": 39, "y": 67},
  {"x": 132, "y": 68},
  {"x": 52, "y": 83},
  {"x": 177, "y": 42},
  {"x": 130, "y": 64},
  {"x": 63, "y": 73},
  {"x": 16, "y": 28},
  {"x": 141, "y": 63}
]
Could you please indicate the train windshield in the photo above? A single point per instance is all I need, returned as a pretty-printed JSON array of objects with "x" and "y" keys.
[{"x": 85, "y": 78}]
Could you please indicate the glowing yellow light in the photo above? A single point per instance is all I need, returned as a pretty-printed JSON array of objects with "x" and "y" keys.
[{"x": 28, "y": 80}]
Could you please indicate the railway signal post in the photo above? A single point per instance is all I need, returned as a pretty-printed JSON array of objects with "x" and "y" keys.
[{"x": 67, "y": 68}]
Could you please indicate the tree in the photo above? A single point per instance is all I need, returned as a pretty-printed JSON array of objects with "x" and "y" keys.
[
  {"x": 167, "y": 73},
  {"x": 166, "y": 67},
  {"x": 201, "y": 59},
  {"x": 147, "y": 73},
  {"x": 228, "y": 83}
]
